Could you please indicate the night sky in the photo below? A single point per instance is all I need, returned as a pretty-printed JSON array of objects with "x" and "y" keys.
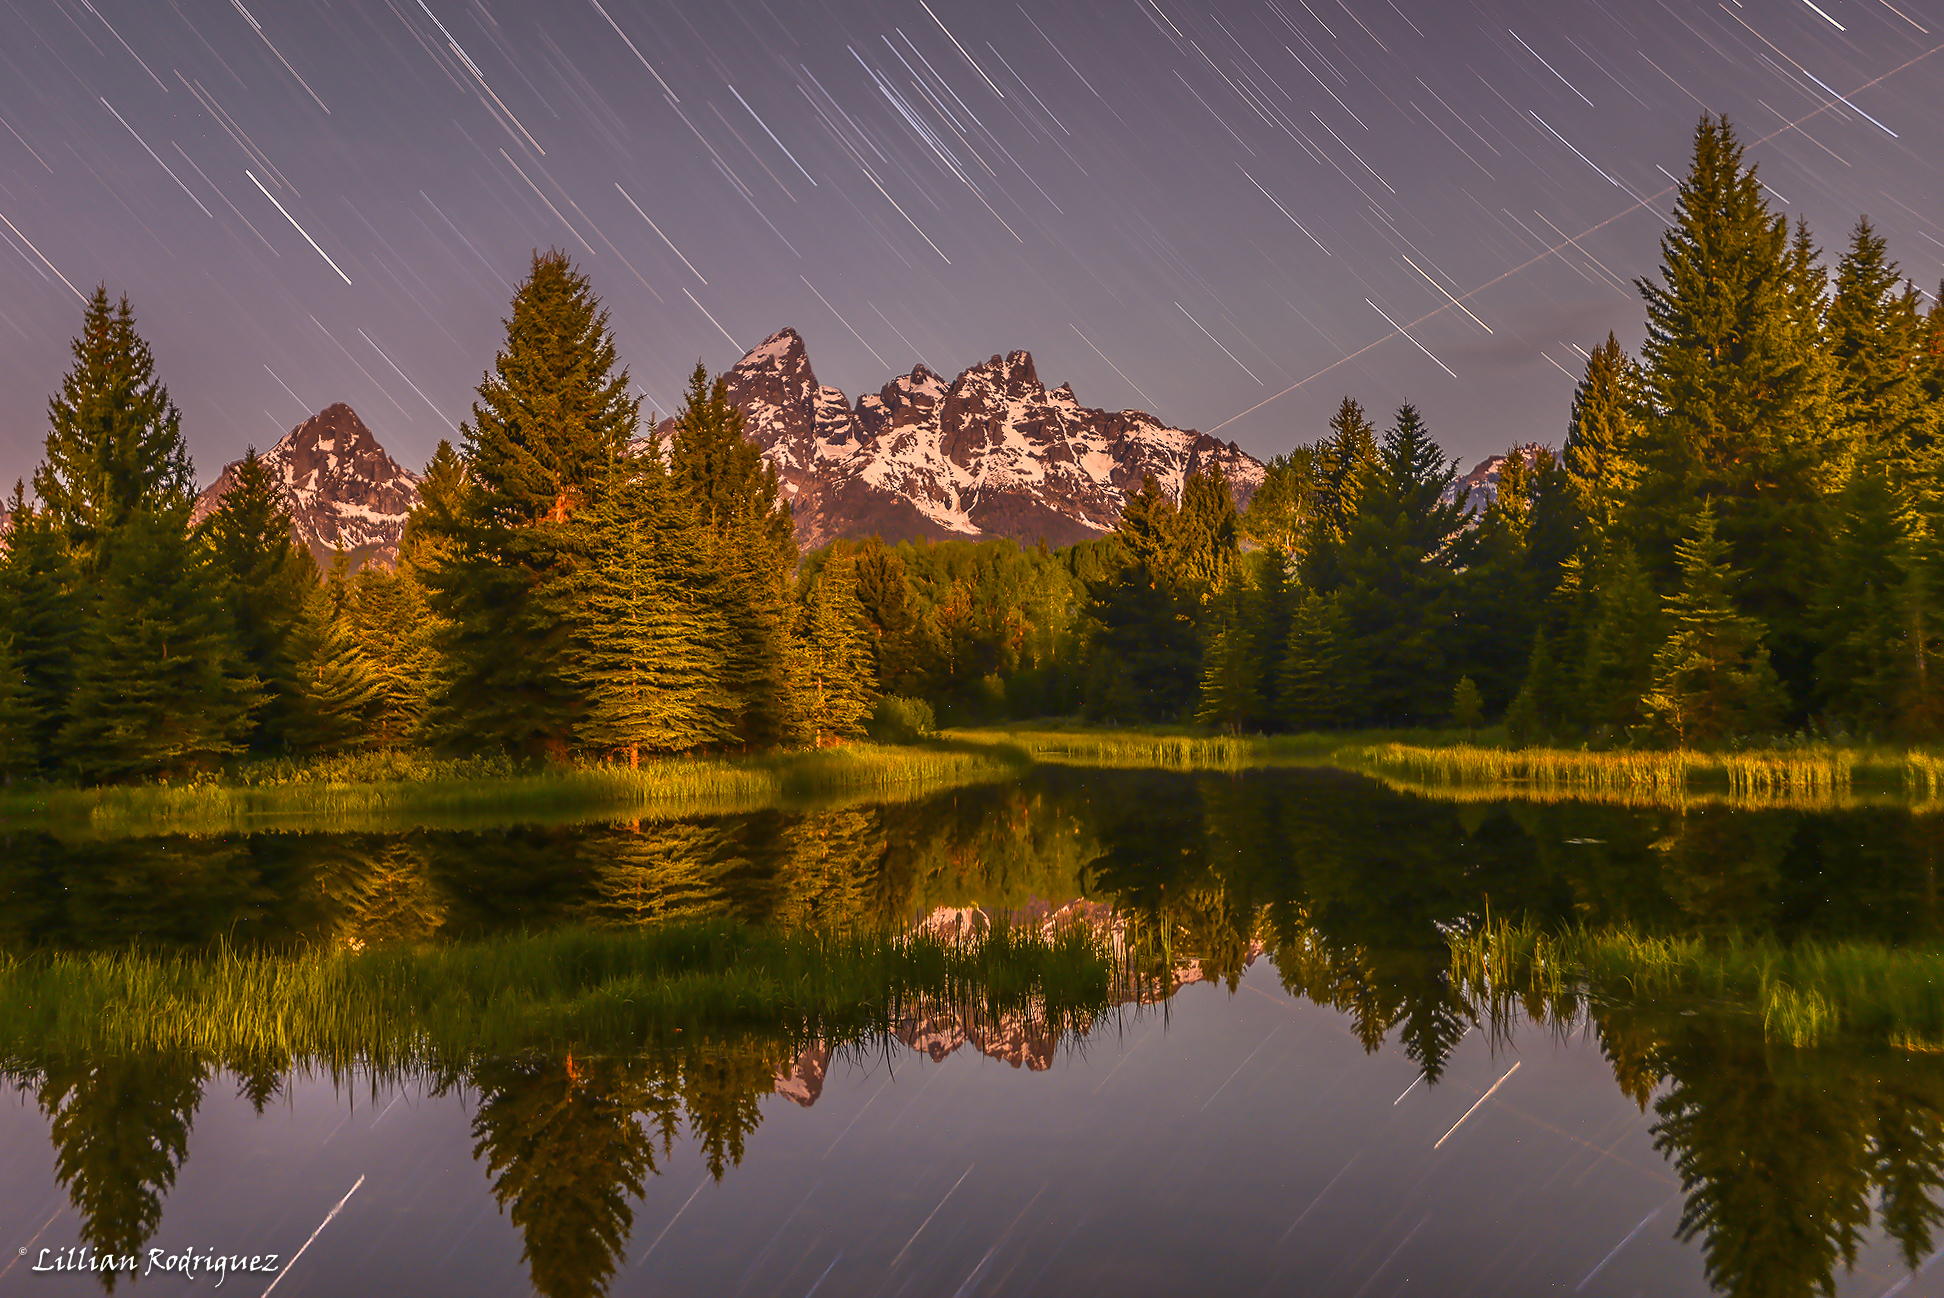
[{"x": 1217, "y": 213}]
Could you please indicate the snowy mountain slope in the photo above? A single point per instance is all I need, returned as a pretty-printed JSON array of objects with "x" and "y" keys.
[
  {"x": 339, "y": 484},
  {"x": 990, "y": 453}
]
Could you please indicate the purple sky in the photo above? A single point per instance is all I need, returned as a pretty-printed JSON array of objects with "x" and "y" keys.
[{"x": 1187, "y": 208}]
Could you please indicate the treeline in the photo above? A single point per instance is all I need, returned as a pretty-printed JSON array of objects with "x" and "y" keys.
[
  {"x": 568, "y": 586},
  {"x": 1743, "y": 534}
]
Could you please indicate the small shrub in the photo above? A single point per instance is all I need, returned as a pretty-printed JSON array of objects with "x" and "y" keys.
[{"x": 899, "y": 720}]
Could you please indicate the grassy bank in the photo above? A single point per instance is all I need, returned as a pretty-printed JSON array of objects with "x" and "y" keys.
[
  {"x": 1815, "y": 776},
  {"x": 600, "y": 990},
  {"x": 392, "y": 791},
  {"x": 1807, "y": 994},
  {"x": 1187, "y": 750}
]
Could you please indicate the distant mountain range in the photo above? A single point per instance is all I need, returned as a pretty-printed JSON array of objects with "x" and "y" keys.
[
  {"x": 340, "y": 486},
  {"x": 989, "y": 453}
]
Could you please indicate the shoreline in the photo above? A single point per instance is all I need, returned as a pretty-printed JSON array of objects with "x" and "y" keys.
[{"x": 389, "y": 791}]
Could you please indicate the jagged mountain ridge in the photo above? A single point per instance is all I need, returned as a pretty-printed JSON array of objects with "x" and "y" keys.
[
  {"x": 339, "y": 484},
  {"x": 990, "y": 453}
]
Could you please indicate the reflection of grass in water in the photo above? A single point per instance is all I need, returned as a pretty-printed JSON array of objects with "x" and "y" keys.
[
  {"x": 377, "y": 791},
  {"x": 1166, "y": 750},
  {"x": 1808, "y": 994},
  {"x": 593, "y": 989},
  {"x": 1821, "y": 777}
]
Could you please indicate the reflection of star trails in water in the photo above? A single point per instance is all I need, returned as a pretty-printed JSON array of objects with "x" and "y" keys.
[
  {"x": 314, "y": 1234},
  {"x": 1474, "y": 1108}
]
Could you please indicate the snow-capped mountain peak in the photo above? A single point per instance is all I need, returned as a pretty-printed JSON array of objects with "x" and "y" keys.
[
  {"x": 339, "y": 484},
  {"x": 990, "y": 453}
]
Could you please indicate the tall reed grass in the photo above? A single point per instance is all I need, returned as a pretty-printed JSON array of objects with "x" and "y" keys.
[{"x": 1814, "y": 777}]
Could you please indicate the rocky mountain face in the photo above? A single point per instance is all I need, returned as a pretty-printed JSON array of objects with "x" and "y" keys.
[
  {"x": 340, "y": 487},
  {"x": 1479, "y": 488},
  {"x": 989, "y": 453}
]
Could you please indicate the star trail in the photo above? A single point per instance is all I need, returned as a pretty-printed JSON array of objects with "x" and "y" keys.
[{"x": 1248, "y": 209}]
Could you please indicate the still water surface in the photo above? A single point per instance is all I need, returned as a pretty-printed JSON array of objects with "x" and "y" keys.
[{"x": 1314, "y": 1108}]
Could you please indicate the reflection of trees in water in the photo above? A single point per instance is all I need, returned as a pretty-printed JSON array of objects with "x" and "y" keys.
[
  {"x": 568, "y": 1143},
  {"x": 1787, "y": 1157},
  {"x": 120, "y": 1126},
  {"x": 1783, "y": 1153}
]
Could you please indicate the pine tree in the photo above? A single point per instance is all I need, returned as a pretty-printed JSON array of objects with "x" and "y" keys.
[
  {"x": 1231, "y": 683},
  {"x": 884, "y": 591},
  {"x": 156, "y": 687},
  {"x": 342, "y": 691},
  {"x": 1627, "y": 628},
  {"x": 1874, "y": 329},
  {"x": 116, "y": 443},
  {"x": 551, "y": 415},
  {"x": 1207, "y": 534},
  {"x": 1733, "y": 379},
  {"x": 751, "y": 549},
  {"x": 266, "y": 577},
  {"x": 1604, "y": 436},
  {"x": 646, "y": 643},
  {"x": 1538, "y": 712},
  {"x": 1859, "y": 601},
  {"x": 1712, "y": 680},
  {"x": 388, "y": 622},
  {"x": 835, "y": 683},
  {"x": 1497, "y": 605},
  {"x": 1314, "y": 685},
  {"x": 1343, "y": 458},
  {"x": 1397, "y": 563},
  {"x": 1146, "y": 661},
  {"x": 47, "y": 605},
  {"x": 1281, "y": 514}
]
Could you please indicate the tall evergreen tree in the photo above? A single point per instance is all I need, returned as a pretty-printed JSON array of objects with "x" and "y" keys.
[
  {"x": 1604, "y": 436},
  {"x": 1626, "y": 628},
  {"x": 115, "y": 445},
  {"x": 1732, "y": 375},
  {"x": 266, "y": 577},
  {"x": 1314, "y": 686},
  {"x": 1874, "y": 332},
  {"x": 646, "y": 639},
  {"x": 340, "y": 689},
  {"x": 1712, "y": 680},
  {"x": 1496, "y": 611},
  {"x": 19, "y": 744},
  {"x": 836, "y": 685},
  {"x": 388, "y": 620},
  {"x": 157, "y": 690},
  {"x": 1397, "y": 564},
  {"x": 1146, "y": 661},
  {"x": 47, "y": 606},
  {"x": 1343, "y": 457},
  {"x": 751, "y": 549},
  {"x": 551, "y": 415}
]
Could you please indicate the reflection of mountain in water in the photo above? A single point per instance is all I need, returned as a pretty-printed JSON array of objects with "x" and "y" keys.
[{"x": 1350, "y": 890}]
